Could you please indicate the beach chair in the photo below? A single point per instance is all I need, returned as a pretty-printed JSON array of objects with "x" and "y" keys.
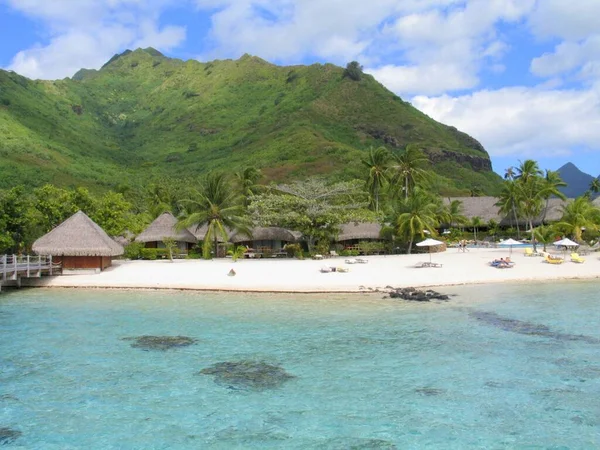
[
  {"x": 576, "y": 258},
  {"x": 529, "y": 252},
  {"x": 325, "y": 269},
  {"x": 342, "y": 269},
  {"x": 351, "y": 261},
  {"x": 361, "y": 260},
  {"x": 333, "y": 253},
  {"x": 553, "y": 260}
]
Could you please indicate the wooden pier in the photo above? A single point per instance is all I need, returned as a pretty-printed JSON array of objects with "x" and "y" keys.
[{"x": 15, "y": 267}]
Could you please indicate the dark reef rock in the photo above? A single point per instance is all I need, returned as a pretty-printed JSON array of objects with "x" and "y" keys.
[
  {"x": 527, "y": 328},
  {"x": 8, "y": 435},
  {"x": 416, "y": 295},
  {"x": 256, "y": 375},
  {"x": 356, "y": 444},
  {"x": 160, "y": 343},
  {"x": 429, "y": 391}
]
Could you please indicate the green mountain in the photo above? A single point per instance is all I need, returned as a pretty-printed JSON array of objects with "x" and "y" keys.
[{"x": 143, "y": 115}]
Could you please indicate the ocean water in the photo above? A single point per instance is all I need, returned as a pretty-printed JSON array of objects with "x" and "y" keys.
[{"x": 499, "y": 366}]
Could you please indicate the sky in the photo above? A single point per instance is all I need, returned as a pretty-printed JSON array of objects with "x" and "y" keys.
[{"x": 521, "y": 76}]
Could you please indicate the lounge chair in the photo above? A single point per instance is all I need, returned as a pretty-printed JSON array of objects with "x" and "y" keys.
[
  {"x": 333, "y": 253},
  {"x": 428, "y": 264},
  {"x": 553, "y": 259},
  {"x": 502, "y": 264},
  {"x": 325, "y": 269},
  {"x": 351, "y": 261},
  {"x": 576, "y": 258},
  {"x": 362, "y": 261},
  {"x": 529, "y": 252},
  {"x": 342, "y": 269},
  {"x": 317, "y": 256}
]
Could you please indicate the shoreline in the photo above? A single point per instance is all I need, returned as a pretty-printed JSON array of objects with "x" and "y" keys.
[{"x": 303, "y": 276}]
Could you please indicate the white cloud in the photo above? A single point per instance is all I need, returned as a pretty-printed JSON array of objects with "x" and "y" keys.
[
  {"x": 522, "y": 122},
  {"x": 86, "y": 33},
  {"x": 429, "y": 79}
]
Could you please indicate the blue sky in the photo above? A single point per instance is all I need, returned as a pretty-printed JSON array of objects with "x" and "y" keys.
[{"x": 521, "y": 76}]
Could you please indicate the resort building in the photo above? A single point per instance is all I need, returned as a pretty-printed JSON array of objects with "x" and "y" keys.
[
  {"x": 165, "y": 227},
  {"x": 266, "y": 241},
  {"x": 353, "y": 233},
  {"x": 78, "y": 243},
  {"x": 485, "y": 208}
]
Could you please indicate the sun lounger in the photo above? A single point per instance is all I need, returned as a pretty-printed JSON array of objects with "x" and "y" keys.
[
  {"x": 318, "y": 257},
  {"x": 502, "y": 264},
  {"x": 325, "y": 269},
  {"x": 576, "y": 258},
  {"x": 342, "y": 269},
  {"x": 553, "y": 260},
  {"x": 427, "y": 264},
  {"x": 351, "y": 261},
  {"x": 362, "y": 261}
]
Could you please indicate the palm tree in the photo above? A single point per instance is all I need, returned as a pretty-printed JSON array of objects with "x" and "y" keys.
[
  {"x": 545, "y": 235},
  {"x": 247, "y": 182},
  {"x": 409, "y": 168},
  {"x": 509, "y": 202},
  {"x": 452, "y": 214},
  {"x": 476, "y": 223},
  {"x": 415, "y": 215},
  {"x": 377, "y": 163},
  {"x": 509, "y": 174},
  {"x": 594, "y": 186},
  {"x": 550, "y": 188},
  {"x": 527, "y": 170},
  {"x": 578, "y": 215},
  {"x": 219, "y": 207}
]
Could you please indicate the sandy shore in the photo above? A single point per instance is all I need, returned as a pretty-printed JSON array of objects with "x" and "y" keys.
[{"x": 277, "y": 275}]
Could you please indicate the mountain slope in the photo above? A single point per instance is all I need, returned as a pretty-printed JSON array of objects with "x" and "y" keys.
[
  {"x": 578, "y": 182},
  {"x": 144, "y": 115}
]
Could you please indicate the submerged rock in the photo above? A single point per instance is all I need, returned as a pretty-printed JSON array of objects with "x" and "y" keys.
[
  {"x": 527, "y": 328},
  {"x": 429, "y": 391},
  {"x": 161, "y": 343},
  {"x": 416, "y": 295},
  {"x": 255, "y": 375},
  {"x": 8, "y": 435}
]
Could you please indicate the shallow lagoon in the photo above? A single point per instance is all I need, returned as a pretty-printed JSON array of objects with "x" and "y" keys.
[{"x": 475, "y": 372}]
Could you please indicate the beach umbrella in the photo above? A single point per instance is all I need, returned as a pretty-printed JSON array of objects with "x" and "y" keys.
[
  {"x": 509, "y": 242},
  {"x": 566, "y": 242},
  {"x": 429, "y": 243}
]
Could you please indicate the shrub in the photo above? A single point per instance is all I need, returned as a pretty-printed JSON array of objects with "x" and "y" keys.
[
  {"x": 354, "y": 71},
  {"x": 133, "y": 250},
  {"x": 294, "y": 250},
  {"x": 149, "y": 253}
]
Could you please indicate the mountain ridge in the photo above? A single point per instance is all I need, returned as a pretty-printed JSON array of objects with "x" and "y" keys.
[
  {"x": 145, "y": 115},
  {"x": 578, "y": 182}
]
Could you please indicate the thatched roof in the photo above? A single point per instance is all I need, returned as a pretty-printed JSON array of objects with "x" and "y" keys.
[
  {"x": 164, "y": 227},
  {"x": 356, "y": 230},
  {"x": 77, "y": 236},
  {"x": 486, "y": 209},
  {"x": 266, "y": 234},
  {"x": 200, "y": 232}
]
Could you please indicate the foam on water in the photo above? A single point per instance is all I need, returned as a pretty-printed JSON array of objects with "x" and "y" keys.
[{"x": 496, "y": 367}]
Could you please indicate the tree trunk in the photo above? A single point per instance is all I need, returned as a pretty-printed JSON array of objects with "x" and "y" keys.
[
  {"x": 376, "y": 198},
  {"x": 410, "y": 243},
  {"x": 516, "y": 222},
  {"x": 406, "y": 188},
  {"x": 532, "y": 235},
  {"x": 216, "y": 245},
  {"x": 545, "y": 211}
]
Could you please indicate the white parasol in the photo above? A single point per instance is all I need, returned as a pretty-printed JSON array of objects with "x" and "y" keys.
[
  {"x": 566, "y": 243},
  {"x": 429, "y": 243},
  {"x": 509, "y": 242}
]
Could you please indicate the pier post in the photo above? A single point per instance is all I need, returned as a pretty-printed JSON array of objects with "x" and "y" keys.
[
  {"x": 50, "y": 259},
  {"x": 28, "y": 259},
  {"x": 4, "y": 267},
  {"x": 15, "y": 268}
]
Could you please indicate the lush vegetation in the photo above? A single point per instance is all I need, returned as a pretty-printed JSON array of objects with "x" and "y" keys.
[
  {"x": 399, "y": 196},
  {"x": 144, "y": 117}
]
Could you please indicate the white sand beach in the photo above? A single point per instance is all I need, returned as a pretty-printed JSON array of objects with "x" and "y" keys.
[{"x": 282, "y": 275}]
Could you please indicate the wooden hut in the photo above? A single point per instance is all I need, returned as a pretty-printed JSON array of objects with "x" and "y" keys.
[
  {"x": 165, "y": 227},
  {"x": 353, "y": 233},
  {"x": 265, "y": 240},
  {"x": 78, "y": 243}
]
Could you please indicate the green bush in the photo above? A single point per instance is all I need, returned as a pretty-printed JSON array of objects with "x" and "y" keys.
[
  {"x": 294, "y": 250},
  {"x": 149, "y": 253},
  {"x": 133, "y": 250},
  {"x": 349, "y": 252}
]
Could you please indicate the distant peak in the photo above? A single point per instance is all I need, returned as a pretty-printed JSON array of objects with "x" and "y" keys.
[
  {"x": 149, "y": 51},
  {"x": 569, "y": 166}
]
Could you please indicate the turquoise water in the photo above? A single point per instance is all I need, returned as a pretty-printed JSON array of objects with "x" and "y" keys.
[{"x": 496, "y": 367}]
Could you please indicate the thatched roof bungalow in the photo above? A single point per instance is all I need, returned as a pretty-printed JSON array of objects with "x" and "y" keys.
[
  {"x": 165, "y": 227},
  {"x": 78, "y": 243},
  {"x": 486, "y": 209},
  {"x": 354, "y": 232},
  {"x": 200, "y": 233},
  {"x": 265, "y": 239}
]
